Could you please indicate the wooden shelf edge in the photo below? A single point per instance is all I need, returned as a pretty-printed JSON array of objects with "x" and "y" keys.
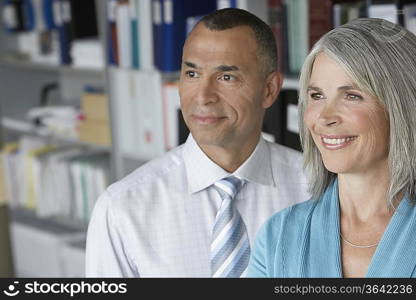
[
  {"x": 23, "y": 127},
  {"x": 27, "y": 65}
]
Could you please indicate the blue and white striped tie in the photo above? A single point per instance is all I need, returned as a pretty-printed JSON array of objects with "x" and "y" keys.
[{"x": 230, "y": 247}]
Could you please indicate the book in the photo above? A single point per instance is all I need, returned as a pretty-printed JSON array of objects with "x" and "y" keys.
[
  {"x": 384, "y": 11},
  {"x": 86, "y": 191},
  {"x": 95, "y": 132},
  {"x": 145, "y": 31},
  {"x": 87, "y": 53},
  {"x": 49, "y": 15},
  {"x": 112, "y": 46},
  {"x": 134, "y": 30},
  {"x": 94, "y": 106},
  {"x": 157, "y": 22},
  {"x": 278, "y": 27},
  {"x": 171, "y": 109},
  {"x": 10, "y": 163},
  {"x": 343, "y": 12},
  {"x": 409, "y": 11},
  {"x": 58, "y": 196},
  {"x": 148, "y": 114},
  {"x": 168, "y": 46},
  {"x": 138, "y": 112},
  {"x": 124, "y": 41},
  {"x": 28, "y": 146},
  {"x": 75, "y": 19},
  {"x": 3, "y": 193},
  {"x": 125, "y": 118},
  {"x": 63, "y": 19},
  {"x": 83, "y": 19},
  {"x": 226, "y": 4},
  {"x": 320, "y": 19},
  {"x": 298, "y": 33},
  {"x": 258, "y": 7}
]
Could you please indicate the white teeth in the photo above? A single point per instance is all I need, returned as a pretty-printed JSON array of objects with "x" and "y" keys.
[{"x": 338, "y": 141}]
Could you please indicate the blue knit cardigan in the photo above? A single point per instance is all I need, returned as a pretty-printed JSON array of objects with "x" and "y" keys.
[{"x": 303, "y": 241}]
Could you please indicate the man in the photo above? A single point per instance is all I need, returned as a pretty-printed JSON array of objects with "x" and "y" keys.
[{"x": 195, "y": 211}]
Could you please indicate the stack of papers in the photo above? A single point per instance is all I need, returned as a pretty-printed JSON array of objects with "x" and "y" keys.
[{"x": 87, "y": 53}]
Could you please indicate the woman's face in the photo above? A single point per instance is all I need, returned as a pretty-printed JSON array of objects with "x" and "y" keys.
[{"x": 349, "y": 127}]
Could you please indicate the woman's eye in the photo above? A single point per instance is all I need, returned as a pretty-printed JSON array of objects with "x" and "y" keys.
[
  {"x": 354, "y": 97},
  {"x": 316, "y": 96}
]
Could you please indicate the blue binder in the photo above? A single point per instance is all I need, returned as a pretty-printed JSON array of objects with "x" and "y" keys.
[
  {"x": 28, "y": 15},
  {"x": 48, "y": 14},
  {"x": 168, "y": 54},
  {"x": 111, "y": 32},
  {"x": 77, "y": 20},
  {"x": 157, "y": 22},
  {"x": 64, "y": 31}
]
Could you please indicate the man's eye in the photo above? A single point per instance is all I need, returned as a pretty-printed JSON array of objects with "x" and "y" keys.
[
  {"x": 227, "y": 77},
  {"x": 191, "y": 74},
  {"x": 316, "y": 96}
]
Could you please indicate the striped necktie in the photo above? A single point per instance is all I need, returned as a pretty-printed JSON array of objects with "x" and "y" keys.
[{"x": 230, "y": 247}]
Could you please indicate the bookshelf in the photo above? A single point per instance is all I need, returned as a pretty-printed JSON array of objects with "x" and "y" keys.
[
  {"x": 290, "y": 83},
  {"x": 35, "y": 67},
  {"x": 22, "y": 80},
  {"x": 6, "y": 265},
  {"x": 23, "y": 127},
  {"x": 22, "y": 84}
]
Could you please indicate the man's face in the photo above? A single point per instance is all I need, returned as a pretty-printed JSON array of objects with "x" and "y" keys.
[{"x": 222, "y": 87}]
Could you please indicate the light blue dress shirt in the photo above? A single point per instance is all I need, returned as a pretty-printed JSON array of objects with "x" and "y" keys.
[
  {"x": 304, "y": 241},
  {"x": 157, "y": 221}
]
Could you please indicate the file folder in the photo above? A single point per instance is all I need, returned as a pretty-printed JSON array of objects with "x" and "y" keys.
[{"x": 168, "y": 54}]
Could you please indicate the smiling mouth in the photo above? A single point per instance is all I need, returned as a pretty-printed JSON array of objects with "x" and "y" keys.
[
  {"x": 337, "y": 142},
  {"x": 208, "y": 119}
]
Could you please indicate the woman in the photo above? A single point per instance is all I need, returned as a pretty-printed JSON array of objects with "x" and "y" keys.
[{"x": 358, "y": 107}]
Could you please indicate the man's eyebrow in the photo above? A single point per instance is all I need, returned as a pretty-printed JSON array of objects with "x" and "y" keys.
[
  {"x": 226, "y": 68},
  {"x": 220, "y": 68},
  {"x": 190, "y": 64}
]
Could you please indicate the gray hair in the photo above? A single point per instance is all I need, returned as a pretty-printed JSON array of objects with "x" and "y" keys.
[{"x": 380, "y": 57}]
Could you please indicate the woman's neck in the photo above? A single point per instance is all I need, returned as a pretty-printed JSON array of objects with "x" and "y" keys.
[{"x": 364, "y": 196}]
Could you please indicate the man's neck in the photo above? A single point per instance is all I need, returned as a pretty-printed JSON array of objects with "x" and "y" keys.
[{"x": 229, "y": 158}]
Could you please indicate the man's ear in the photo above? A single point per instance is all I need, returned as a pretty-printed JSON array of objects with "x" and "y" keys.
[{"x": 274, "y": 83}]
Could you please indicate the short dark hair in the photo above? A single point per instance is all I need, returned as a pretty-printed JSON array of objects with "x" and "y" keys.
[{"x": 228, "y": 18}]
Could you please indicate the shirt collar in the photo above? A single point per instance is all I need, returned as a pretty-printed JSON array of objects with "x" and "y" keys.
[{"x": 202, "y": 172}]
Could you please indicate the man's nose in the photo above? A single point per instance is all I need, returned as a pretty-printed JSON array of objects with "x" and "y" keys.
[{"x": 206, "y": 92}]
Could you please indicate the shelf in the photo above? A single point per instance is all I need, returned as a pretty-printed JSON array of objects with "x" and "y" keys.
[
  {"x": 31, "y": 66},
  {"x": 24, "y": 127},
  {"x": 57, "y": 224}
]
